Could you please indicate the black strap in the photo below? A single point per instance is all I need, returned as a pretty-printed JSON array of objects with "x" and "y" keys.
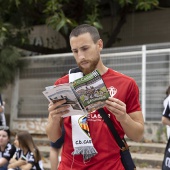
[{"x": 111, "y": 127}]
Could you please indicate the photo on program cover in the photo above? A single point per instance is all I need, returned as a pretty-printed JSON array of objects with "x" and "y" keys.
[{"x": 91, "y": 91}]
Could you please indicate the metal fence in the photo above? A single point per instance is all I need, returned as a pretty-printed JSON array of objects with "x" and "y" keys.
[{"x": 149, "y": 65}]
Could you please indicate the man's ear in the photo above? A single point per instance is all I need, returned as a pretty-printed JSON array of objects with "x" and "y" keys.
[{"x": 100, "y": 44}]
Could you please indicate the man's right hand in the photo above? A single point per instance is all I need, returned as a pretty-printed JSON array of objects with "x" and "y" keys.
[{"x": 57, "y": 109}]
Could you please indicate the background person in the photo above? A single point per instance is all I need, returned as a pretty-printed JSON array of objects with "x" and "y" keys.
[
  {"x": 2, "y": 112},
  {"x": 7, "y": 150},
  {"x": 166, "y": 112},
  {"x": 27, "y": 155},
  {"x": 122, "y": 107}
]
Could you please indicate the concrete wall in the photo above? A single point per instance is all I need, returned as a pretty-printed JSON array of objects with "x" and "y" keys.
[
  {"x": 154, "y": 131},
  {"x": 141, "y": 28}
]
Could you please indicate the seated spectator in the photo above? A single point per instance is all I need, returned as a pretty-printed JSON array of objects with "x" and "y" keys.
[
  {"x": 27, "y": 155},
  {"x": 7, "y": 150}
]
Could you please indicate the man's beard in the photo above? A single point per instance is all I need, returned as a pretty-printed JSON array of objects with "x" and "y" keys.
[{"x": 93, "y": 65}]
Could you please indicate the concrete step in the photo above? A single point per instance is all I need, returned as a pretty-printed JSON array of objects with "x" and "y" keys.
[
  {"x": 45, "y": 150},
  {"x": 41, "y": 139},
  {"x": 147, "y": 156},
  {"x": 46, "y": 165},
  {"x": 146, "y": 147},
  {"x": 147, "y": 168},
  {"x": 153, "y": 160}
]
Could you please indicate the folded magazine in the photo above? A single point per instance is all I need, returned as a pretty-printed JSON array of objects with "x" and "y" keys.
[{"x": 84, "y": 95}]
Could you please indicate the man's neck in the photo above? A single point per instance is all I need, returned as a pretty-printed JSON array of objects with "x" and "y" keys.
[{"x": 102, "y": 69}]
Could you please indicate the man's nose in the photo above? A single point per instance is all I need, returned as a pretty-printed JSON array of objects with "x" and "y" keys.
[{"x": 81, "y": 55}]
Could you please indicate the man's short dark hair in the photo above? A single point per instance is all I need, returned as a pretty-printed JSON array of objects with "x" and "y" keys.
[{"x": 85, "y": 28}]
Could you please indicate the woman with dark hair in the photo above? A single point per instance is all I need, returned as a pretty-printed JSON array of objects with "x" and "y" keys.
[
  {"x": 7, "y": 150},
  {"x": 166, "y": 112},
  {"x": 27, "y": 154}
]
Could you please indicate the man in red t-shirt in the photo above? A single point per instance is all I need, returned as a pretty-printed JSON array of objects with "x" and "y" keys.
[{"x": 123, "y": 108}]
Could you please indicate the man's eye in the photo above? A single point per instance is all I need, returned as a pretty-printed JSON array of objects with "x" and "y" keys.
[
  {"x": 84, "y": 49},
  {"x": 74, "y": 51}
]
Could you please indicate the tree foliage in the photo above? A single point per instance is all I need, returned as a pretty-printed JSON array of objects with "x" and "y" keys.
[{"x": 17, "y": 19}]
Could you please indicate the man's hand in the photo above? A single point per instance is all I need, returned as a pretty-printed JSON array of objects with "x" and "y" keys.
[
  {"x": 132, "y": 123},
  {"x": 57, "y": 109},
  {"x": 116, "y": 107}
]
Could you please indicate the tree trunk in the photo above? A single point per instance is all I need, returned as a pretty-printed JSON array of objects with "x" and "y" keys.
[{"x": 113, "y": 37}]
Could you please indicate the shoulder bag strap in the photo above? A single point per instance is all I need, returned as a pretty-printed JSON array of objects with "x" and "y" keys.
[{"x": 112, "y": 128}]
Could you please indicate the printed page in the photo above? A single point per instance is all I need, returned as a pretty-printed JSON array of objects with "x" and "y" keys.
[
  {"x": 64, "y": 91},
  {"x": 91, "y": 91}
]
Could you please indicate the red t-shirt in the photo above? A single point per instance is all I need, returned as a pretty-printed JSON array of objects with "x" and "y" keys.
[{"x": 108, "y": 156}]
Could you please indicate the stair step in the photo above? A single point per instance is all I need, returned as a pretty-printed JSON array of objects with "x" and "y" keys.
[
  {"x": 46, "y": 162},
  {"x": 147, "y": 147},
  {"x": 150, "y": 157},
  {"x": 153, "y": 160},
  {"x": 44, "y": 149},
  {"x": 41, "y": 140},
  {"x": 147, "y": 168},
  {"x": 147, "y": 156},
  {"x": 47, "y": 166}
]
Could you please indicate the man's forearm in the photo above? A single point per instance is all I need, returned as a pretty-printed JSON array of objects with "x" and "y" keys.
[
  {"x": 134, "y": 129},
  {"x": 53, "y": 129}
]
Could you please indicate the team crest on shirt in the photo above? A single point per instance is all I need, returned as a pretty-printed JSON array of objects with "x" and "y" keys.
[{"x": 112, "y": 91}]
